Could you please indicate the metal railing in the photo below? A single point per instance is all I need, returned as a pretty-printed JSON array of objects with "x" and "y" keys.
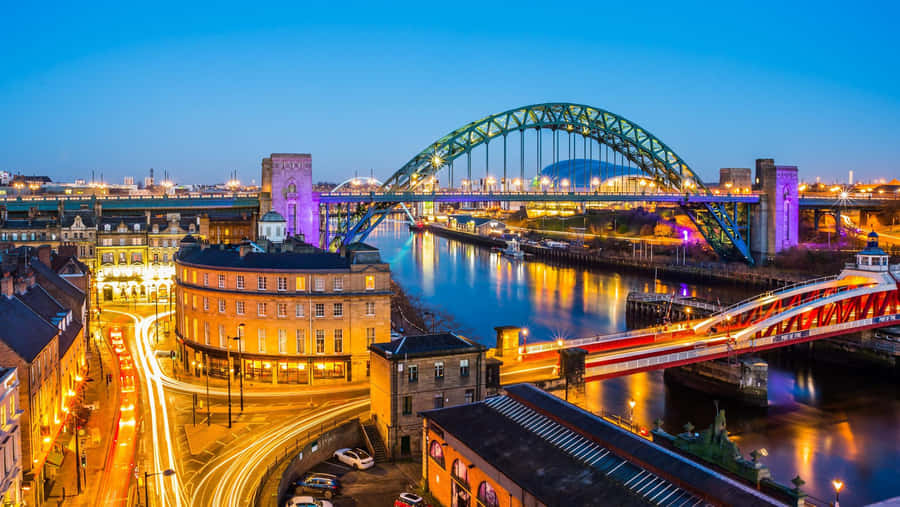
[{"x": 780, "y": 290}]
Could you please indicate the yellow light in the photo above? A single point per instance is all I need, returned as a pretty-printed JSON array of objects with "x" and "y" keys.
[
  {"x": 564, "y": 182},
  {"x": 802, "y": 188},
  {"x": 643, "y": 183},
  {"x": 632, "y": 403},
  {"x": 301, "y": 366},
  {"x": 559, "y": 342},
  {"x": 545, "y": 180},
  {"x": 320, "y": 366},
  {"x": 436, "y": 160},
  {"x": 838, "y": 485},
  {"x": 46, "y": 440},
  {"x": 283, "y": 366},
  {"x": 267, "y": 365},
  {"x": 78, "y": 378},
  {"x": 595, "y": 181}
]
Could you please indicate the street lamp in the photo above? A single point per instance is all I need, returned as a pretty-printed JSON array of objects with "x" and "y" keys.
[
  {"x": 228, "y": 376},
  {"x": 838, "y": 486},
  {"x": 631, "y": 404},
  {"x": 147, "y": 475}
]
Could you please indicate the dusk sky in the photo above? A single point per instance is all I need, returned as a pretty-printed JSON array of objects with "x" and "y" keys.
[{"x": 201, "y": 91}]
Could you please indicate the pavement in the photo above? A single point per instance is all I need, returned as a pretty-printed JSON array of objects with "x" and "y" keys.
[{"x": 97, "y": 432}]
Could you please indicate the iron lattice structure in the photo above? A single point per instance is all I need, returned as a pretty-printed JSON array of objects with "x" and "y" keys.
[{"x": 718, "y": 225}]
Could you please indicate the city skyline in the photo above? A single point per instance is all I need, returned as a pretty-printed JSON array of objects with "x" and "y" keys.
[{"x": 204, "y": 93}]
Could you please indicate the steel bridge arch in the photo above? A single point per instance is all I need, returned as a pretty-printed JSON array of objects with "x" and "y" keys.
[{"x": 652, "y": 156}]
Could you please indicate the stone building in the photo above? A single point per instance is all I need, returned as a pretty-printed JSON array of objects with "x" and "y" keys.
[
  {"x": 287, "y": 189},
  {"x": 417, "y": 373},
  {"x": 308, "y": 315},
  {"x": 10, "y": 438}
]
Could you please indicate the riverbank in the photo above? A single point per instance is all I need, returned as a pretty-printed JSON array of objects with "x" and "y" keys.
[{"x": 702, "y": 272}]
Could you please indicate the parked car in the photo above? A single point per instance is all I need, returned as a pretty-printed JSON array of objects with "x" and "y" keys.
[
  {"x": 319, "y": 485},
  {"x": 307, "y": 501},
  {"x": 410, "y": 500},
  {"x": 357, "y": 458}
]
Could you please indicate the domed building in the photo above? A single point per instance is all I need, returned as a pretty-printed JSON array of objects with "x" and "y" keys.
[{"x": 583, "y": 174}]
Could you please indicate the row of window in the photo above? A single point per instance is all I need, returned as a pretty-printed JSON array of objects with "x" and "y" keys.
[
  {"x": 413, "y": 370},
  {"x": 281, "y": 309},
  {"x": 78, "y": 235},
  {"x": 26, "y": 236},
  {"x": 122, "y": 242},
  {"x": 281, "y": 282},
  {"x": 110, "y": 258},
  {"x": 437, "y": 402},
  {"x": 299, "y": 339},
  {"x": 486, "y": 494}
]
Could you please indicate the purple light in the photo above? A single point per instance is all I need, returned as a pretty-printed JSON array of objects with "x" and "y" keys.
[{"x": 684, "y": 234}]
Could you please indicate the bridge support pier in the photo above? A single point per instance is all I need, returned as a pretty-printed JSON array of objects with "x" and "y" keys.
[{"x": 775, "y": 221}]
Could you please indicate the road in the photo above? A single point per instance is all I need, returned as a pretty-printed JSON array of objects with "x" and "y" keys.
[{"x": 219, "y": 465}]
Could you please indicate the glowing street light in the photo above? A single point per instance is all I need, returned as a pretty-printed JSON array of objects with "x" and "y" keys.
[
  {"x": 631, "y": 404},
  {"x": 564, "y": 183},
  {"x": 436, "y": 160},
  {"x": 545, "y": 181},
  {"x": 844, "y": 195},
  {"x": 838, "y": 486},
  {"x": 595, "y": 182}
]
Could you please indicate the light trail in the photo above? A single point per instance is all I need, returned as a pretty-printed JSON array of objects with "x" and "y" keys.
[
  {"x": 235, "y": 474},
  {"x": 192, "y": 388},
  {"x": 169, "y": 490}
]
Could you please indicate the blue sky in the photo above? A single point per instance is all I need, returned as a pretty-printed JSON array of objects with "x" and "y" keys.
[{"x": 201, "y": 90}]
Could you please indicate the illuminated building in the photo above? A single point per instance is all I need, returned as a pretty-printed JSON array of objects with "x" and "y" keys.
[
  {"x": 531, "y": 448},
  {"x": 416, "y": 373},
  {"x": 42, "y": 318},
  {"x": 10, "y": 438},
  {"x": 308, "y": 315}
]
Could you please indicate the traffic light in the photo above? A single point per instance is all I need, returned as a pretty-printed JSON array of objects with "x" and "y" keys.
[{"x": 83, "y": 461}]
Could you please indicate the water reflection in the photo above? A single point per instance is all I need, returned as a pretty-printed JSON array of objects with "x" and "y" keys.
[{"x": 823, "y": 421}]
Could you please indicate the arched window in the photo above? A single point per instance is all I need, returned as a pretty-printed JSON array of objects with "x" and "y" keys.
[
  {"x": 437, "y": 453},
  {"x": 460, "y": 472},
  {"x": 292, "y": 189},
  {"x": 487, "y": 496}
]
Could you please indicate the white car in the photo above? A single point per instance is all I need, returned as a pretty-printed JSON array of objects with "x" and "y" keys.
[
  {"x": 308, "y": 501},
  {"x": 357, "y": 458}
]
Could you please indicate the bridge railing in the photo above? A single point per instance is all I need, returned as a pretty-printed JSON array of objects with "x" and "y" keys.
[
  {"x": 119, "y": 197},
  {"x": 775, "y": 292},
  {"x": 534, "y": 348},
  {"x": 526, "y": 193}
]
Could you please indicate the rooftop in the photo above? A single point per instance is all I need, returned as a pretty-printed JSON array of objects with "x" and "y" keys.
[
  {"x": 548, "y": 446},
  {"x": 230, "y": 257},
  {"x": 426, "y": 345},
  {"x": 23, "y": 330}
]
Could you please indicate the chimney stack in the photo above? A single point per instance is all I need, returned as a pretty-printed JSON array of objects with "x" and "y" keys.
[
  {"x": 6, "y": 285},
  {"x": 43, "y": 252}
]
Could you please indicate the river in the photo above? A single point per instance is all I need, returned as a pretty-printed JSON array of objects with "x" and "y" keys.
[{"x": 824, "y": 421}]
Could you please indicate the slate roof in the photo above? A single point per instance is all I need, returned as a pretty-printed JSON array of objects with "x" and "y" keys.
[
  {"x": 288, "y": 261},
  {"x": 426, "y": 345},
  {"x": 68, "y": 337},
  {"x": 53, "y": 277},
  {"x": 638, "y": 451},
  {"x": 23, "y": 330},
  {"x": 42, "y": 303},
  {"x": 28, "y": 224}
]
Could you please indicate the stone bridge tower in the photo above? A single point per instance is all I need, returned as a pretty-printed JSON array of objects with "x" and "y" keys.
[
  {"x": 287, "y": 189},
  {"x": 775, "y": 222}
]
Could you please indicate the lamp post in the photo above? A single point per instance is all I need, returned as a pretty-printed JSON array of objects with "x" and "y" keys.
[
  {"x": 208, "y": 414},
  {"x": 147, "y": 475},
  {"x": 631, "y": 404},
  {"x": 838, "y": 486},
  {"x": 228, "y": 377}
]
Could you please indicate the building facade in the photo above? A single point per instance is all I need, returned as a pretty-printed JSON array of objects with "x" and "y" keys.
[
  {"x": 417, "y": 373},
  {"x": 289, "y": 313},
  {"x": 287, "y": 189},
  {"x": 10, "y": 438}
]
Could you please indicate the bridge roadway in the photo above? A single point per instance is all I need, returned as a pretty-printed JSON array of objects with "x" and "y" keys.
[
  {"x": 250, "y": 200},
  {"x": 856, "y": 300}
]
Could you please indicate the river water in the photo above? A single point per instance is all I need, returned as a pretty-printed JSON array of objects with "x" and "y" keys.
[{"x": 824, "y": 421}]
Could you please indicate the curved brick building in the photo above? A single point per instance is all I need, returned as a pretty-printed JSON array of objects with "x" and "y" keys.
[{"x": 308, "y": 315}]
